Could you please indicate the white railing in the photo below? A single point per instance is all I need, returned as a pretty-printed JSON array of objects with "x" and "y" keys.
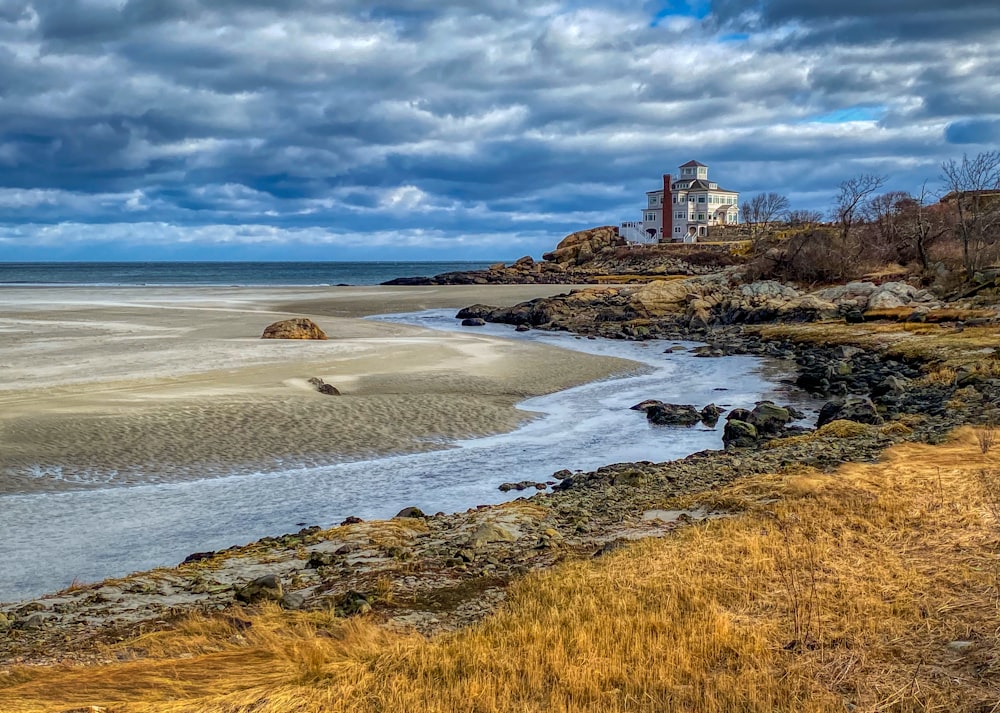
[{"x": 633, "y": 232}]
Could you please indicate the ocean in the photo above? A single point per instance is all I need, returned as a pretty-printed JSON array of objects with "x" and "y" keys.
[{"x": 298, "y": 274}]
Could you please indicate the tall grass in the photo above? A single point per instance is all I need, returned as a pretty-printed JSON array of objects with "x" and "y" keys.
[{"x": 828, "y": 592}]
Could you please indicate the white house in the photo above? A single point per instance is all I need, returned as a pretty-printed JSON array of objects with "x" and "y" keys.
[{"x": 683, "y": 210}]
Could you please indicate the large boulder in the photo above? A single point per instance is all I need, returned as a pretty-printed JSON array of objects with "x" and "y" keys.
[
  {"x": 739, "y": 434},
  {"x": 581, "y": 247},
  {"x": 673, "y": 415},
  {"x": 298, "y": 328},
  {"x": 769, "y": 419}
]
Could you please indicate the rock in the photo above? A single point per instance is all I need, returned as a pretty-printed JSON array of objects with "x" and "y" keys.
[
  {"x": 739, "y": 434},
  {"x": 581, "y": 247},
  {"x": 323, "y": 387},
  {"x": 298, "y": 328},
  {"x": 263, "y": 589},
  {"x": 960, "y": 646},
  {"x": 493, "y": 532},
  {"x": 293, "y": 601},
  {"x": 854, "y": 316},
  {"x": 522, "y": 485},
  {"x": 859, "y": 409},
  {"x": 647, "y": 404},
  {"x": 353, "y": 604},
  {"x": 476, "y": 310},
  {"x": 891, "y": 385},
  {"x": 738, "y": 414},
  {"x": 522, "y": 328},
  {"x": 769, "y": 419},
  {"x": 473, "y": 322},
  {"x": 710, "y": 415},
  {"x": 198, "y": 557},
  {"x": 33, "y": 622},
  {"x": 413, "y": 512},
  {"x": 350, "y": 520},
  {"x": 673, "y": 415},
  {"x": 5, "y": 622}
]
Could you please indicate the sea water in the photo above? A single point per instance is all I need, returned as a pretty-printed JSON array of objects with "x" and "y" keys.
[
  {"x": 222, "y": 273},
  {"x": 49, "y": 539}
]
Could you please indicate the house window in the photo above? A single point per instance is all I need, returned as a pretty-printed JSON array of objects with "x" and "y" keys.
[
  {"x": 692, "y": 217},
  {"x": 650, "y": 216},
  {"x": 701, "y": 216},
  {"x": 701, "y": 199}
]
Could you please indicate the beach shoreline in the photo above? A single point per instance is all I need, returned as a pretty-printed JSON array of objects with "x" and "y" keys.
[{"x": 109, "y": 386}]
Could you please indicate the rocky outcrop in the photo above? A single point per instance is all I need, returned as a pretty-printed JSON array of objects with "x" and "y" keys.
[
  {"x": 699, "y": 303},
  {"x": 864, "y": 296},
  {"x": 584, "y": 246},
  {"x": 298, "y": 328}
]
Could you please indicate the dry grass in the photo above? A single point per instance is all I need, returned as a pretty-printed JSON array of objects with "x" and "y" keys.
[
  {"x": 933, "y": 316},
  {"x": 828, "y": 590}
]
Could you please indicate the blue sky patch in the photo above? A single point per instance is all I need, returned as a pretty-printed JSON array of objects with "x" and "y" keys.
[{"x": 854, "y": 113}]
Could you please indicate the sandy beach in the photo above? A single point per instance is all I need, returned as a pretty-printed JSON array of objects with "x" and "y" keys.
[{"x": 127, "y": 385}]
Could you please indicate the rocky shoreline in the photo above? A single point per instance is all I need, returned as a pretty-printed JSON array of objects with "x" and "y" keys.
[{"x": 442, "y": 571}]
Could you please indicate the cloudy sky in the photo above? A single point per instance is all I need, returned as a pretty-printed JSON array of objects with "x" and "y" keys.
[{"x": 480, "y": 129}]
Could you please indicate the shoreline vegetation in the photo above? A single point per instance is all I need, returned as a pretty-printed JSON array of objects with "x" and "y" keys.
[{"x": 849, "y": 567}]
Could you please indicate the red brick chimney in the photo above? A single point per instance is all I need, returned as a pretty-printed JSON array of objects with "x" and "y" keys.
[{"x": 667, "y": 211}]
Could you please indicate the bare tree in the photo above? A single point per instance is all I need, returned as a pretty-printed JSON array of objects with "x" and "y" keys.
[
  {"x": 920, "y": 225},
  {"x": 761, "y": 210},
  {"x": 853, "y": 194},
  {"x": 972, "y": 186},
  {"x": 881, "y": 215},
  {"x": 799, "y": 218}
]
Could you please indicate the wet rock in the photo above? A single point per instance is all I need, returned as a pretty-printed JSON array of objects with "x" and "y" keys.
[
  {"x": 263, "y": 589},
  {"x": 852, "y": 408},
  {"x": 479, "y": 311},
  {"x": 645, "y": 405},
  {"x": 198, "y": 557},
  {"x": 410, "y": 512},
  {"x": 522, "y": 485},
  {"x": 710, "y": 415},
  {"x": 769, "y": 419},
  {"x": 298, "y": 328},
  {"x": 473, "y": 322},
  {"x": 350, "y": 520},
  {"x": 522, "y": 328},
  {"x": 739, "y": 434},
  {"x": 673, "y": 415},
  {"x": 738, "y": 414}
]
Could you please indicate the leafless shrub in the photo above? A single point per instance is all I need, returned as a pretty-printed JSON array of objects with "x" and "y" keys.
[{"x": 986, "y": 436}]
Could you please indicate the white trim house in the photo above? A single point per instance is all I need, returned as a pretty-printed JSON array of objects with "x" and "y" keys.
[{"x": 692, "y": 204}]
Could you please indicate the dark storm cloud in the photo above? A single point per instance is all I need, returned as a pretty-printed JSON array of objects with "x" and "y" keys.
[{"x": 340, "y": 121}]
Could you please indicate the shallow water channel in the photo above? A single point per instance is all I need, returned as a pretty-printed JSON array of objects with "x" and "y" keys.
[{"x": 49, "y": 539}]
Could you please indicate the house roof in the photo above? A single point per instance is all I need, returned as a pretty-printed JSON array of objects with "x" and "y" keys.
[{"x": 691, "y": 164}]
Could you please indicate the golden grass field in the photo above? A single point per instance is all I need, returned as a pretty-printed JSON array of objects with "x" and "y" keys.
[{"x": 823, "y": 592}]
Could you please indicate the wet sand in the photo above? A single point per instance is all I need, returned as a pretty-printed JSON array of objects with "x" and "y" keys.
[{"x": 102, "y": 386}]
